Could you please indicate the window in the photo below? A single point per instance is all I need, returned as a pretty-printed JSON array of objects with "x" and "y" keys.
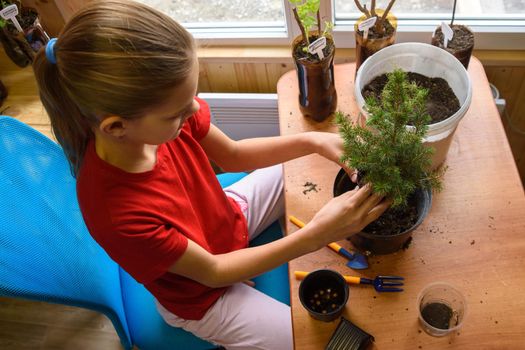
[
  {"x": 442, "y": 9},
  {"x": 498, "y": 24},
  {"x": 227, "y": 18}
]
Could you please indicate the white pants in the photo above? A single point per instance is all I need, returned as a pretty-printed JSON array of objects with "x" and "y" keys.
[{"x": 244, "y": 318}]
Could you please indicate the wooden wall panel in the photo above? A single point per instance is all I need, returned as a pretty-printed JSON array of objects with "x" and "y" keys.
[
  {"x": 265, "y": 86},
  {"x": 510, "y": 81},
  {"x": 222, "y": 77}
]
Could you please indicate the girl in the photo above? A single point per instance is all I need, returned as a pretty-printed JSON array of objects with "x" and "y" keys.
[{"x": 119, "y": 86}]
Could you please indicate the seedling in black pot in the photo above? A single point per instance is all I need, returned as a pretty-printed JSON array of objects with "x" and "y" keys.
[{"x": 324, "y": 294}]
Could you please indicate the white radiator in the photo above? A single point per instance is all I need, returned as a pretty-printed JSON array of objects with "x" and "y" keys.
[{"x": 242, "y": 116}]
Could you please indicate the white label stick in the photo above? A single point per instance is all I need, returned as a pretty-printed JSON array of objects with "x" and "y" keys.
[
  {"x": 9, "y": 13},
  {"x": 317, "y": 47},
  {"x": 448, "y": 33}
]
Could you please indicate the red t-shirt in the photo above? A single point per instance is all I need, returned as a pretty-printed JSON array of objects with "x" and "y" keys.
[{"x": 144, "y": 220}]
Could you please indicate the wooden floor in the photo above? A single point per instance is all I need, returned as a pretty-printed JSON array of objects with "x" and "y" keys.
[{"x": 37, "y": 325}]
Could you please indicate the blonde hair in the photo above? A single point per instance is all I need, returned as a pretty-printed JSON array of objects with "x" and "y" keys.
[{"x": 117, "y": 57}]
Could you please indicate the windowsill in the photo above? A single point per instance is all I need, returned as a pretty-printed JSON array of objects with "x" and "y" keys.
[{"x": 282, "y": 54}]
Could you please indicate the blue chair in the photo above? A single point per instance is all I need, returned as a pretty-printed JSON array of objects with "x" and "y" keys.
[{"x": 47, "y": 254}]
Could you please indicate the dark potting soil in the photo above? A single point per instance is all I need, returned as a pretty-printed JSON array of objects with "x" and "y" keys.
[
  {"x": 26, "y": 19},
  {"x": 373, "y": 34},
  {"x": 299, "y": 54},
  {"x": 463, "y": 38},
  {"x": 395, "y": 220},
  {"x": 441, "y": 101},
  {"x": 325, "y": 300},
  {"x": 437, "y": 315}
]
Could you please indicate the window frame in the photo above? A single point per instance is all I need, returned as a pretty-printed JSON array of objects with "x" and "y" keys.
[{"x": 507, "y": 34}]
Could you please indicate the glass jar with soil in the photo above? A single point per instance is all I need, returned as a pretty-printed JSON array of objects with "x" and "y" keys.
[
  {"x": 375, "y": 40},
  {"x": 442, "y": 309},
  {"x": 317, "y": 95},
  {"x": 460, "y": 46}
]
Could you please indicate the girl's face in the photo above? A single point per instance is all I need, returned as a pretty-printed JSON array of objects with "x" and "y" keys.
[{"x": 164, "y": 122}]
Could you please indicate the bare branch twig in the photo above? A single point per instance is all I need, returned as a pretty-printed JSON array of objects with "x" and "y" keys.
[
  {"x": 390, "y": 4},
  {"x": 373, "y": 8},
  {"x": 453, "y": 13},
  {"x": 362, "y": 9},
  {"x": 303, "y": 31},
  {"x": 379, "y": 24},
  {"x": 319, "y": 30}
]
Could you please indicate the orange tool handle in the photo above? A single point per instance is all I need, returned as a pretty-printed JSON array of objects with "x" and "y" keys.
[
  {"x": 349, "y": 279},
  {"x": 296, "y": 221},
  {"x": 336, "y": 247}
]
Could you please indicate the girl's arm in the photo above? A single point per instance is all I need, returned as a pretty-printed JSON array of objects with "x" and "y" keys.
[
  {"x": 261, "y": 152},
  {"x": 339, "y": 218}
]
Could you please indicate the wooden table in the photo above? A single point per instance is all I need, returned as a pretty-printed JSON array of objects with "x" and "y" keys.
[{"x": 473, "y": 237}]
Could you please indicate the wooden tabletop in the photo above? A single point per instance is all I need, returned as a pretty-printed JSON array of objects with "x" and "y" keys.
[{"x": 473, "y": 237}]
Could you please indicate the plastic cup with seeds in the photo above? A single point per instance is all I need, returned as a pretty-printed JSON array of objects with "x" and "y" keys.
[
  {"x": 442, "y": 309},
  {"x": 324, "y": 294}
]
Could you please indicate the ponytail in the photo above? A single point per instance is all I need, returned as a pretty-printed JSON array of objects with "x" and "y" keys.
[
  {"x": 113, "y": 57},
  {"x": 71, "y": 128}
]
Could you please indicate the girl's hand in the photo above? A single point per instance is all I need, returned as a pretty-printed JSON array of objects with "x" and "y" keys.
[
  {"x": 330, "y": 146},
  {"x": 347, "y": 214}
]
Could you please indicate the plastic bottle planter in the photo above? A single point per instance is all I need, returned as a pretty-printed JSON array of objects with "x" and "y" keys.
[
  {"x": 21, "y": 48},
  {"x": 383, "y": 244},
  {"x": 317, "y": 95},
  {"x": 16, "y": 48},
  {"x": 430, "y": 61},
  {"x": 460, "y": 46},
  {"x": 366, "y": 48}
]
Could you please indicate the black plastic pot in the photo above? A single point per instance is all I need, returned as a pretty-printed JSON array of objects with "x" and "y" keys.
[
  {"x": 380, "y": 244},
  {"x": 324, "y": 294}
]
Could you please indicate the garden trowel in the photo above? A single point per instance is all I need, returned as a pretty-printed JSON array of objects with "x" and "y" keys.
[{"x": 356, "y": 260}]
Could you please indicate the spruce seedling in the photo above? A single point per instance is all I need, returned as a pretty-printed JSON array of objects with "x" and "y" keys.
[{"x": 390, "y": 155}]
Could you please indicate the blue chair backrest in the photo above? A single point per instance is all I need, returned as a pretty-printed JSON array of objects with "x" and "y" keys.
[{"x": 46, "y": 252}]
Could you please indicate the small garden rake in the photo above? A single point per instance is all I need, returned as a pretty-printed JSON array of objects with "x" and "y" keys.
[{"x": 380, "y": 283}]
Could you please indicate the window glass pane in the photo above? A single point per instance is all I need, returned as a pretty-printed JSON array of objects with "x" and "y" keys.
[
  {"x": 346, "y": 9},
  {"x": 222, "y": 11}
]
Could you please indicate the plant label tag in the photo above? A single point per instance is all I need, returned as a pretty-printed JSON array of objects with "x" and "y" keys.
[
  {"x": 317, "y": 47},
  {"x": 9, "y": 13},
  {"x": 366, "y": 25},
  {"x": 448, "y": 33}
]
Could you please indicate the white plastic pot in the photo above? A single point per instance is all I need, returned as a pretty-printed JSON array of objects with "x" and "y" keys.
[{"x": 430, "y": 61}]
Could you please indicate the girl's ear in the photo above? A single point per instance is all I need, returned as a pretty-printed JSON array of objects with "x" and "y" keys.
[{"x": 113, "y": 125}]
